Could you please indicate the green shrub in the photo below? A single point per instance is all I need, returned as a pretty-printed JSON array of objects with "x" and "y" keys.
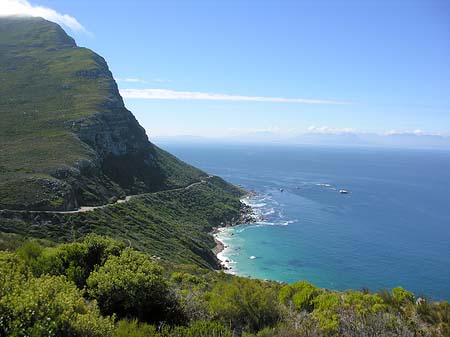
[
  {"x": 133, "y": 328},
  {"x": 363, "y": 304},
  {"x": 13, "y": 272},
  {"x": 397, "y": 298},
  {"x": 74, "y": 260},
  {"x": 187, "y": 280},
  {"x": 30, "y": 251},
  {"x": 50, "y": 306},
  {"x": 300, "y": 294},
  {"x": 402, "y": 296},
  {"x": 245, "y": 303},
  {"x": 325, "y": 312},
  {"x": 131, "y": 285},
  {"x": 200, "y": 329}
]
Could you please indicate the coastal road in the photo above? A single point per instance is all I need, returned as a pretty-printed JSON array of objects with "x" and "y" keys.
[{"x": 83, "y": 209}]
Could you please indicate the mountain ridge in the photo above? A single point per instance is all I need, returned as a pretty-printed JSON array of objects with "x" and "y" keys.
[{"x": 68, "y": 139}]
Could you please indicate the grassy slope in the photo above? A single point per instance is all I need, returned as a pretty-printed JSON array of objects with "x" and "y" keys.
[
  {"x": 37, "y": 61},
  {"x": 52, "y": 92}
]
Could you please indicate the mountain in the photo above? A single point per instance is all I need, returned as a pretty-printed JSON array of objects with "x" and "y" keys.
[
  {"x": 399, "y": 140},
  {"x": 68, "y": 141},
  {"x": 67, "y": 138}
]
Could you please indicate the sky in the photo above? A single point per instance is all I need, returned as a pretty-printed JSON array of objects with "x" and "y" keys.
[{"x": 220, "y": 69}]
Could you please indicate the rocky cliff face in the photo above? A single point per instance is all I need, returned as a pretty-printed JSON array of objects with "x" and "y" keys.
[
  {"x": 68, "y": 138},
  {"x": 112, "y": 130},
  {"x": 112, "y": 133}
]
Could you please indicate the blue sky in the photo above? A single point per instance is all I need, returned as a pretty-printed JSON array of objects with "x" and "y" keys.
[{"x": 387, "y": 61}]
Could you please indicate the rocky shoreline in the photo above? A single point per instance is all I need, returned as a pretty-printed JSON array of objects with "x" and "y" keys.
[{"x": 247, "y": 216}]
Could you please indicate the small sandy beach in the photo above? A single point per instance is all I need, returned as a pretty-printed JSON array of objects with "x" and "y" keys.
[{"x": 247, "y": 216}]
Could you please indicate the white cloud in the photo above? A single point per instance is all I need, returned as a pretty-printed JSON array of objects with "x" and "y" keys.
[
  {"x": 194, "y": 95},
  {"x": 329, "y": 130},
  {"x": 131, "y": 80},
  {"x": 23, "y": 7},
  {"x": 417, "y": 132}
]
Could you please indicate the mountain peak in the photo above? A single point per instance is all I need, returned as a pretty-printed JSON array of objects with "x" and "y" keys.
[
  {"x": 67, "y": 138},
  {"x": 33, "y": 32}
]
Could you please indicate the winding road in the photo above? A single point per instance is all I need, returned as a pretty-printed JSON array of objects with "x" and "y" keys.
[{"x": 83, "y": 209}]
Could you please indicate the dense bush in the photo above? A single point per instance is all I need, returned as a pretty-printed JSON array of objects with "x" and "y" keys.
[
  {"x": 45, "y": 306},
  {"x": 74, "y": 260},
  {"x": 132, "y": 285},
  {"x": 132, "y": 328},
  {"x": 300, "y": 295},
  {"x": 245, "y": 304},
  {"x": 13, "y": 272}
]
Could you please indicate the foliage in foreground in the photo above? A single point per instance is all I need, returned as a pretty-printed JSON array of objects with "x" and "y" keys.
[
  {"x": 100, "y": 287},
  {"x": 45, "y": 306}
]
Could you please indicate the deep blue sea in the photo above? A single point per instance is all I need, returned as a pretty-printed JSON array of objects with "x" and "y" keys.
[{"x": 393, "y": 228}]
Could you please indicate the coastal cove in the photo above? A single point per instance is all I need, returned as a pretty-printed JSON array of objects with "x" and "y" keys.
[
  {"x": 390, "y": 230},
  {"x": 247, "y": 216}
]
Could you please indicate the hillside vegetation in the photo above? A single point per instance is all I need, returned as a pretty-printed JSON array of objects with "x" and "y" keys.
[
  {"x": 169, "y": 224},
  {"x": 101, "y": 287}
]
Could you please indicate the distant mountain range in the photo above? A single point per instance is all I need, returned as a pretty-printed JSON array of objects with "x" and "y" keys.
[{"x": 409, "y": 140}]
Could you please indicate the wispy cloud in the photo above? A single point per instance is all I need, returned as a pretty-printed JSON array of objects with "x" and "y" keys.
[
  {"x": 131, "y": 80},
  {"x": 329, "y": 130},
  {"x": 194, "y": 95},
  {"x": 23, "y": 7},
  {"x": 417, "y": 132}
]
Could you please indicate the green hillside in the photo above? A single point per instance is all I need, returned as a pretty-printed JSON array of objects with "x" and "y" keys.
[{"x": 67, "y": 138}]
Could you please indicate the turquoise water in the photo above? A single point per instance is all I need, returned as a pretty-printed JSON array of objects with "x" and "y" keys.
[{"x": 393, "y": 228}]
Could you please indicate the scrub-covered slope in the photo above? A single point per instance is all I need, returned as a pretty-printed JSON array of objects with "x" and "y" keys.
[{"x": 66, "y": 137}]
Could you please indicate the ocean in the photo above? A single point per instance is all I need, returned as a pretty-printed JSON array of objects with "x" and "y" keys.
[{"x": 391, "y": 229}]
